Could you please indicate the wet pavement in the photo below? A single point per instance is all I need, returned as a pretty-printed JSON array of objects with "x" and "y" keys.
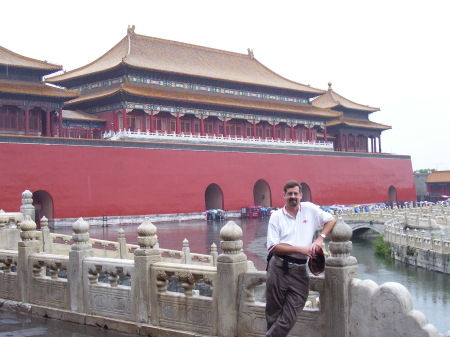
[{"x": 19, "y": 324}]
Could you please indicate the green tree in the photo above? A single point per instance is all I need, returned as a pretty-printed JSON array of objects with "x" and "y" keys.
[
  {"x": 382, "y": 248},
  {"x": 424, "y": 170}
]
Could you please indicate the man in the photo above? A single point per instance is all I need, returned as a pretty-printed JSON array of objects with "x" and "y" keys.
[{"x": 289, "y": 236}]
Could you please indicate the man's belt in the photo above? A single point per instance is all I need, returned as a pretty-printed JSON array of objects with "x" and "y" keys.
[
  {"x": 291, "y": 259},
  {"x": 286, "y": 265}
]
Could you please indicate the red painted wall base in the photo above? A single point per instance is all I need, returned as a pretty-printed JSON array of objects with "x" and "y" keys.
[{"x": 92, "y": 181}]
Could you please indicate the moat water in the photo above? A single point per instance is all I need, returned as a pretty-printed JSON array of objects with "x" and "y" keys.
[{"x": 430, "y": 291}]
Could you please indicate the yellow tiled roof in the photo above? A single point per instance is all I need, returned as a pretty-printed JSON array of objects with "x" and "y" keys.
[
  {"x": 181, "y": 95},
  {"x": 9, "y": 58},
  {"x": 331, "y": 100},
  {"x": 79, "y": 115},
  {"x": 360, "y": 123},
  {"x": 151, "y": 53},
  {"x": 35, "y": 89},
  {"x": 439, "y": 177}
]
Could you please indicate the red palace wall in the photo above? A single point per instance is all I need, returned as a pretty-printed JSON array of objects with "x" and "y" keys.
[{"x": 92, "y": 181}]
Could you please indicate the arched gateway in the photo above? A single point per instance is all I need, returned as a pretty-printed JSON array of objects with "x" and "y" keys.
[
  {"x": 392, "y": 195},
  {"x": 213, "y": 197},
  {"x": 43, "y": 206},
  {"x": 261, "y": 193},
  {"x": 306, "y": 191}
]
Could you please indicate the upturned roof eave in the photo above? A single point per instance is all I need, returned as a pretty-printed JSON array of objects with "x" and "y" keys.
[
  {"x": 333, "y": 100},
  {"x": 312, "y": 91},
  {"x": 308, "y": 90},
  {"x": 39, "y": 89},
  {"x": 42, "y": 66},
  {"x": 64, "y": 81},
  {"x": 372, "y": 125}
]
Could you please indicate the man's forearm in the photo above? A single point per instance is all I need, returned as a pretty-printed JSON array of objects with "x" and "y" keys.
[{"x": 328, "y": 227}]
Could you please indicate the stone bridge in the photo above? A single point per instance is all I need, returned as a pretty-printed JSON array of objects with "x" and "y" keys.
[{"x": 359, "y": 227}]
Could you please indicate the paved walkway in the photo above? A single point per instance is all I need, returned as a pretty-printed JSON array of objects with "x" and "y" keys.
[{"x": 18, "y": 324}]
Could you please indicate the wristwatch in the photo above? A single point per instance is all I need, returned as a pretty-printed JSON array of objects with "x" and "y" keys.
[{"x": 323, "y": 235}]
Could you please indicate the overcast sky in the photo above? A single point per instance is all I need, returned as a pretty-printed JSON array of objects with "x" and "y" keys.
[{"x": 393, "y": 55}]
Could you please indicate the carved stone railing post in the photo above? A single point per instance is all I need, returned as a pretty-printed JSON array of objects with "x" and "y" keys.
[
  {"x": 144, "y": 284},
  {"x": 27, "y": 246},
  {"x": 27, "y": 207},
  {"x": 122, "y": 243},
  {"x": 79, "y": 251},
  {"x": 230, "y": 265},
  {"x": 46, "y": 241},
  {"x": 422, "y": 242},
  {"x": 341, "y": 267},
  {"x": 186, "y": 252},
  {"x": 214, "y": 254}
]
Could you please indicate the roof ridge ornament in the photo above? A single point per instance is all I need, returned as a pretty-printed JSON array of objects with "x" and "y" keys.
[
  {"x": 330, "y": 86},
  {"x": 250, "y": 53},
  {"x": 130, "y": 31}
]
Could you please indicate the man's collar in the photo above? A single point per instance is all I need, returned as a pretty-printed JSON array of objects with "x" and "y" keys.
[{"x": 287, "y": 213}]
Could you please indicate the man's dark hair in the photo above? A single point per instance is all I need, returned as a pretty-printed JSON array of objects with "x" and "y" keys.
[{"x": 291, "y": 184}]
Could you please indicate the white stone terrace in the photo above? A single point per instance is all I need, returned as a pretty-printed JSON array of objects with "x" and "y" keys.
[{"x": 218, "y": 140}]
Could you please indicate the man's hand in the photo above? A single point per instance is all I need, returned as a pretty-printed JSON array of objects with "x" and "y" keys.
[{"x": 316, "y": 245}]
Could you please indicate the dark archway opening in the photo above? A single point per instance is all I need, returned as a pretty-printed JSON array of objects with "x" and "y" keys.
[
  {"x": 261, "y": 194},
  {"x": 392, "y": 196},
  {"x": 306, "y": 191},
  {"x": 43, "y": 206},
  {"x": 213, "y": 197}
]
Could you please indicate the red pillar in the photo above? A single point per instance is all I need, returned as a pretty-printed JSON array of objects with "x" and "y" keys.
[
  {"x": 224, "y": 127},
  {"x": 152, "y": 122},
  {"x": 325, "y": 134},
  {"x": 379, "y": 144},
  {"x": 177, "y": 124},
  {"x": 144, "y": 122},
  {"x": 52, "y": 125},
  {"x": 124, "y": 117},
  {"x": 61, "y": 134},
  {"x": 202, "y": 126},
  {"x": 346, "y": 142},
  {"x": 292, "y": 132},
  {"x": 274, "y": 131},
  {"x": 47, "y": 123},
  {"x": 254, "y": 128},
  {"x": 309, "y": 134},
  {"x": 27, "y": 121},
  {"x": 115, "y": 123}
]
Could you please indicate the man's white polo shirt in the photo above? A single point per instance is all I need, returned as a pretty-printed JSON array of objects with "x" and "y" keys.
[{"x": 298, "y": 231}]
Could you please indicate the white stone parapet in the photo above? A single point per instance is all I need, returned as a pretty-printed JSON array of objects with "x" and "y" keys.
[
  {"x": 132, "y": 295},
  {"x": 191, "y": 138}
]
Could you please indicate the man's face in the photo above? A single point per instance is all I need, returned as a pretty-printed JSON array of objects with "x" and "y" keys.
[{"x": 293, "y": 196}]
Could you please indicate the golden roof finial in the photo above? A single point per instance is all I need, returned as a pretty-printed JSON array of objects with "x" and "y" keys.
[{"x": 250, "y": 53}]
